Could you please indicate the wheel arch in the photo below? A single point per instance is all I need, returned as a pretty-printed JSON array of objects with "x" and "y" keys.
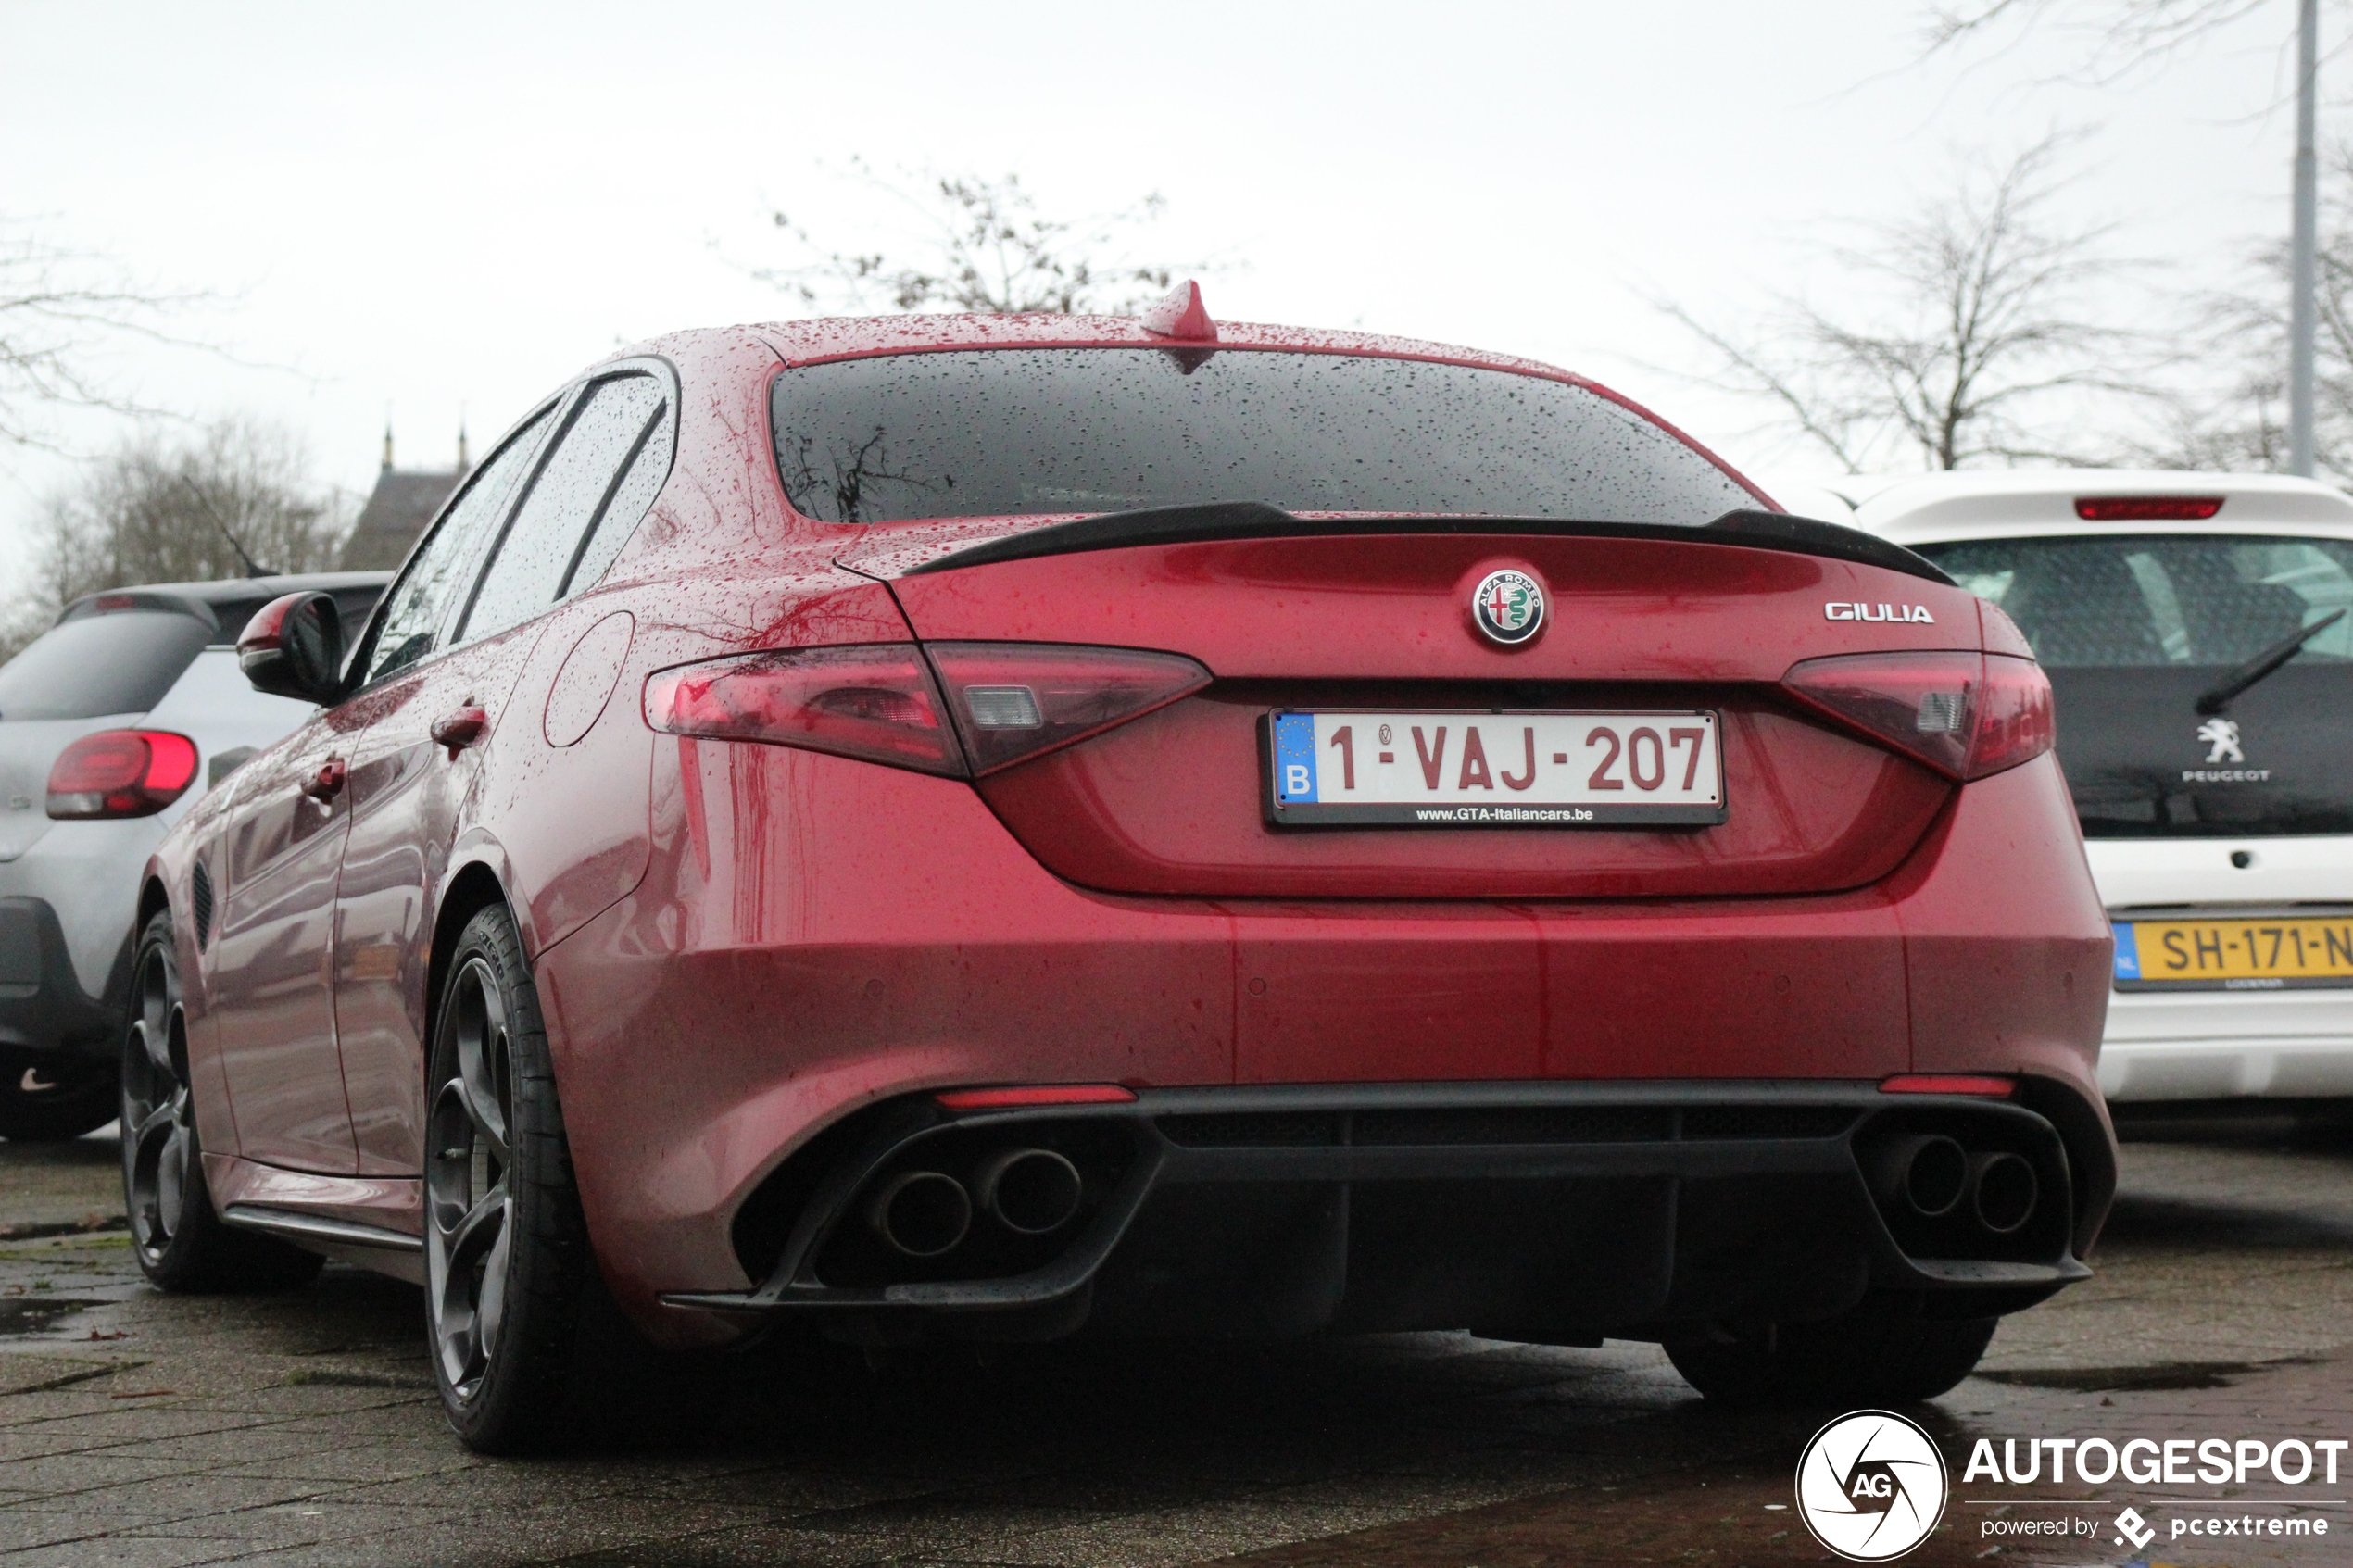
[
  {"x": 153, "y": 896},
  {"x": 472, "y": 889}
]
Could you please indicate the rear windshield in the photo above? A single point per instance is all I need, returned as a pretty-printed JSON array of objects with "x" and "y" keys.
[
  {"x": 100, "y": 664},
  {"x": 2145, "y": 638},
  {"x": 1022, "y": 432},
  {"x": 2210, "y": 600}
]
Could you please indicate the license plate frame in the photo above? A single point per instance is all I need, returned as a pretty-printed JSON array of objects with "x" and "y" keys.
[
  {"x": 1557, "y": 806},
  {"x": 2279, "y": 960}
]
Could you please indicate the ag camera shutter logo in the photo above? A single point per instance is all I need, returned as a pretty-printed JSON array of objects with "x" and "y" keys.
[{"x": 1872, "y": 1485}]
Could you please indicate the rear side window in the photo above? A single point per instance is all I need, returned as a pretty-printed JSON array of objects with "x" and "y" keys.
[
  {"x": 596, "y": 458},
  {"x": 439, "y": 572},
  {"x": 2209, "y": 601},
  {"x": 632, "y": 496},
  {"x": 1024, "y": 432},
  {"x": 101, "y": 664}
]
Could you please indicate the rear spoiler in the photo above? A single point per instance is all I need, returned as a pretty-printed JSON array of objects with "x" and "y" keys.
[{"x": 1255, "y": 519}]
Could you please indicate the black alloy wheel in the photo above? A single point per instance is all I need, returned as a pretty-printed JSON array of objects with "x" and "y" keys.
[
  {"x": 508, "y": 1270},
  {"x": 473, "y": 1202},
  {"x": 179, "y": 1241},
  {"x": 159, "y": 1113}
]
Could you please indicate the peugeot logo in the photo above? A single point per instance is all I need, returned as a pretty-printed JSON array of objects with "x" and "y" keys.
[{"x": 1508, "y": 607}]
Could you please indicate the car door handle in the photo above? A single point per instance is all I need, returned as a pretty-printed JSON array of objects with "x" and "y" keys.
[
  {"x": 327, "y": 783},
  {"x": 460, "y": 730}
]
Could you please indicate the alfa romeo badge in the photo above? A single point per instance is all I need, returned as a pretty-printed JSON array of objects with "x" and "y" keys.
[{"x": 1508, "y": 607}]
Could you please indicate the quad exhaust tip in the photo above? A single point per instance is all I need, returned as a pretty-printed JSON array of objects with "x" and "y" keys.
[
  {"x": 921, "y": 1214},
  {"x": 2003, "y": 1191},
  {"x": 1029, "y": 1191},
  {"x": 929, "y": 1213},
  {"x": 1933, "y": 1176}
]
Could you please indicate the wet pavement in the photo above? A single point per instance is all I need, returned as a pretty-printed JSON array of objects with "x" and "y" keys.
[{"x": 139, "y": 1429}]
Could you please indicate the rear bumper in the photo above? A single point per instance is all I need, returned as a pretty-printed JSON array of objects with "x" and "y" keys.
[
  {"x": 1552, "y": 1211},
  {"x": 2228, "y": 1045},
  {"x": 776, "y": 975},
  {"x": 43, "y": 1007},
  {"x": 2171, "y": 1047}
]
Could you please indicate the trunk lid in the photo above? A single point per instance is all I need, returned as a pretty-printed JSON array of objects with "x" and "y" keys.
[{"x": 1381, "y": 618}]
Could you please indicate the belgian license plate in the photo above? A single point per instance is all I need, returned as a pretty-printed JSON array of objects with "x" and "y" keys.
[
  {"x": 2234, "y": 955},
  {"x": 1557, "y": 770}
]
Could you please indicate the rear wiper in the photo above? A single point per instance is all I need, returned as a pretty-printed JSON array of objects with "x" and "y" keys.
[{"x": 2217, "y": 697}]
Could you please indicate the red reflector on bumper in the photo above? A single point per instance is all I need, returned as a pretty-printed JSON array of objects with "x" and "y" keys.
[
  {"x": 1947, "y": 1084},
  {"x": 1036, "y": 1094}
]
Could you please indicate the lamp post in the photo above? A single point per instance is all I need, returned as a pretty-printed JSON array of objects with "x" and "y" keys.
[{"x": 2303, "y": 311}]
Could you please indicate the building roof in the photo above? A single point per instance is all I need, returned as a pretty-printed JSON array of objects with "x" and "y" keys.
[{"x": 398, "y": 508}]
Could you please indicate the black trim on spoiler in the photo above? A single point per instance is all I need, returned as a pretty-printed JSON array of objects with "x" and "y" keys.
[{"x": 1255, "y": 519}]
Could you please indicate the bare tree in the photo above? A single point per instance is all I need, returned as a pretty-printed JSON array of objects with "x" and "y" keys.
[
  {"x": 982, "y": 245},
  {"x": 2119, "y": 34},
  {"x": 235, "y": 499},
  {"x": 2241, "y": 420},
  {"x": 1969, "y": 331},
  {"x": 59, "y": 309},
  {"x": 2287, "y": 410}
]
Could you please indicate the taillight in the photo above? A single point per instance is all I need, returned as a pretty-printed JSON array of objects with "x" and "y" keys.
[
  {"x": 875, "y": 702},
  {"x": 121, "y": 774},
  {"x": 1014, "y": 700},
  {"x": 1964, "y": 714},
  {"x": 2018, "y": 723}
]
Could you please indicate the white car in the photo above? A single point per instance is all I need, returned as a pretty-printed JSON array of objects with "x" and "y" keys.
[
  {"x": 112, "y": 724},
  {"x": 2196, "y": 633}
]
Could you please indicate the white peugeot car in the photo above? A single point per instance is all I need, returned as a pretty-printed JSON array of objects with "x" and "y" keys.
[
  {"x": 2196, "y": 633},
  {"x": 112, "y": 724}
]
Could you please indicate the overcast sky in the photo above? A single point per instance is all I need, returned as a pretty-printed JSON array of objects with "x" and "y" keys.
[{"x": 422, "y": 206}]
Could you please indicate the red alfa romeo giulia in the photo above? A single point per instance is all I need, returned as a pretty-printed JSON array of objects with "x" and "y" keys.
[{"x": 958, "y": 829}]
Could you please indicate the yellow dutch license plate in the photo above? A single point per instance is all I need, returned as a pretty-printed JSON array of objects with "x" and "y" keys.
[{"x": 2234, "y": 955}]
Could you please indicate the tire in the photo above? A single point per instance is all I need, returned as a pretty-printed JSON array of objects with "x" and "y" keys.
[
  {"x": 179, "y": 1241},
  {"x": 49, "y": 1099},
  {"x": 1881, "y": 1353},
  {"x": 509, "y": 1280}
]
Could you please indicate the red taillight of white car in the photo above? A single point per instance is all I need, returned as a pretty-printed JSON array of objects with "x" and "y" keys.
[
  {"x": 1964, "y": 714},
  {"x": 1005, "y": 702},
  {"x": 121, "y": 774}
]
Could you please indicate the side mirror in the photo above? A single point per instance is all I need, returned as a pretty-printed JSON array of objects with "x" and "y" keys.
[{"x": 293, "y": 647}]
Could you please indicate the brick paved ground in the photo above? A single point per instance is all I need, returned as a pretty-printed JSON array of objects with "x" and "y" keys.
[
  {"x": 137, "y": 1429},
  {"x": 1725, "y": 1514}
]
